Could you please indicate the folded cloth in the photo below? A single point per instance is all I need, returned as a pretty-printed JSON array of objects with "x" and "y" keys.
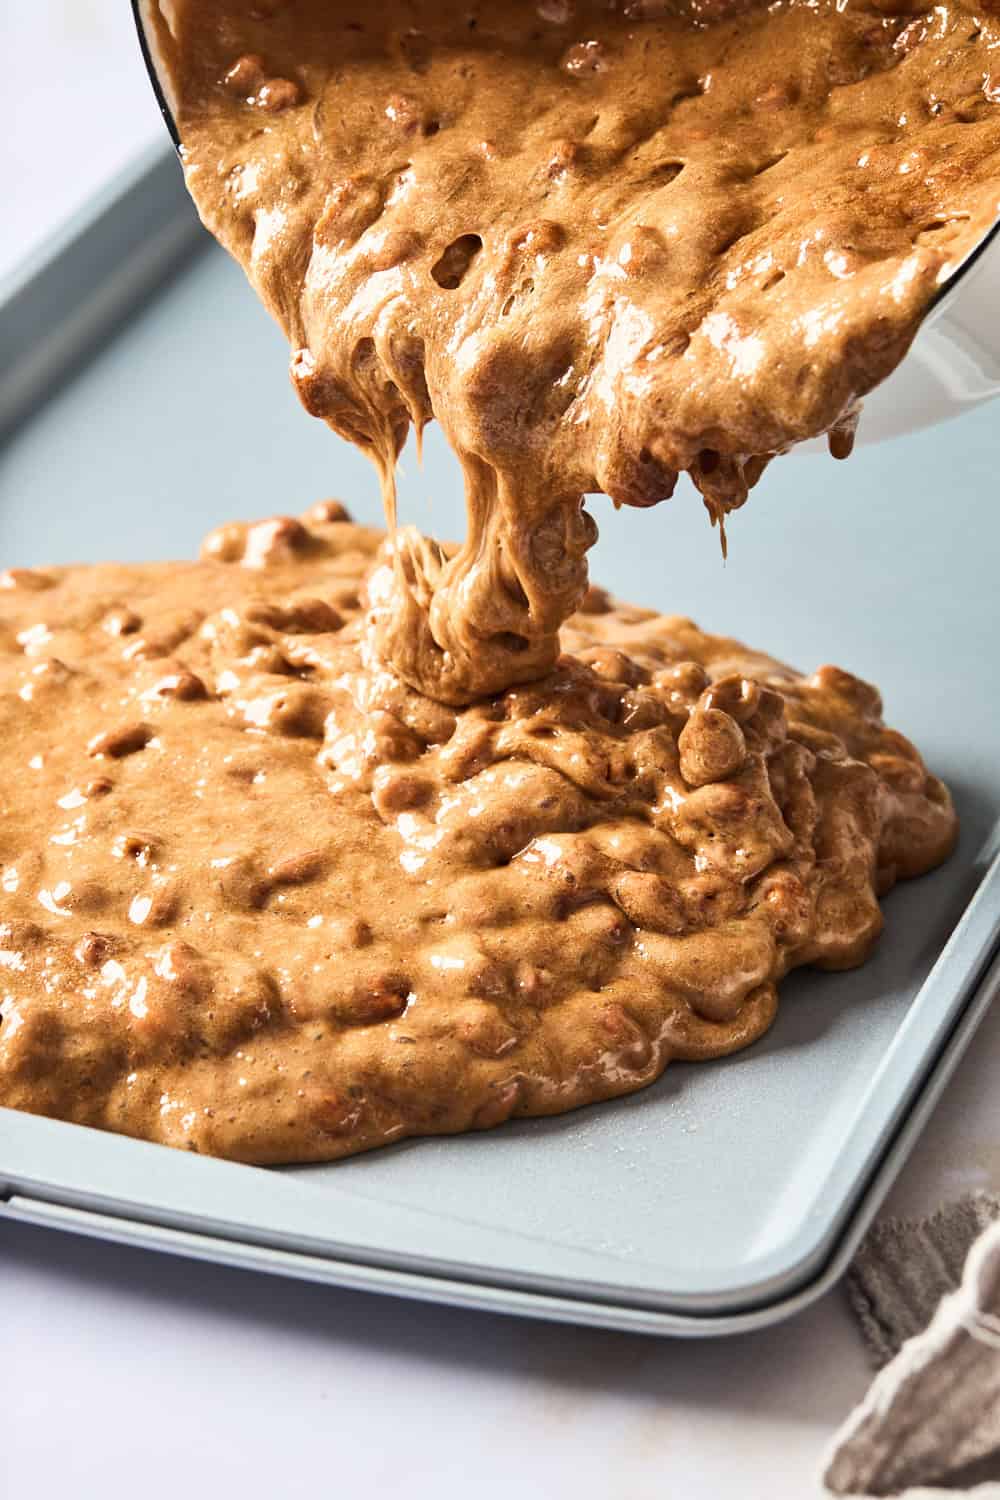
[
  {"x": 932, "y": 1416},
  {"x": 906, "y": 1266}
]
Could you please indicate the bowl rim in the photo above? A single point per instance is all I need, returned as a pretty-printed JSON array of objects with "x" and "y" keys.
[
  {"x": 951, "y": 284},
  {"x": 145, "y": 47}
]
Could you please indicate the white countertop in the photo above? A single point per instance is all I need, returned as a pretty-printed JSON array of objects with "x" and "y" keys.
[{"x": 135, "y": 1374}]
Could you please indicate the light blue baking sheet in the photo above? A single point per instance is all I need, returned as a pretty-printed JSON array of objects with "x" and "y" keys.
[{"x": 723, "y": 1187}]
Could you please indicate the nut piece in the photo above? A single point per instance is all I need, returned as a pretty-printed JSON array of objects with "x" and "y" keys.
[
  {"x": 328, "y": 512},
  {"x": 125, "y": 740},
  {"x": 185, "y": 687},
  {"x": 277, "y": 94},
  {"x": 94, "y": 949},
  {"x": 30, "y": 579},
  {"x": 298, "y": 869},
  {"x": 279, "y": 539},
  {"x": 712, "y": 747}
]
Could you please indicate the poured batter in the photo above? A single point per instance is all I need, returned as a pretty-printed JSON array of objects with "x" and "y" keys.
[
  {"x": 600, "y": 243},
  {"x": 321, "y": 842},
  {"x": 261, "y": 900}
]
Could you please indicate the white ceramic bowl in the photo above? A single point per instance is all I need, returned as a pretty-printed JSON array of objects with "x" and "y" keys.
[{"x": 954, "y": 362}]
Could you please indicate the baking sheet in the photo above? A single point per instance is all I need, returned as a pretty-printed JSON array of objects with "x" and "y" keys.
[{"x": 724, "y": 1188}]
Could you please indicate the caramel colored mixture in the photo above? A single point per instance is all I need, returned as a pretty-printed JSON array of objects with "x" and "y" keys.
[
  {"x": 333, "y": 838},
  {"x": 600, "y": 242},
  {"x": 262, "y": 900}
]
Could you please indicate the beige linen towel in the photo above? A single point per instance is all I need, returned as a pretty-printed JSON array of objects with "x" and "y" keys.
[{"x": 932, "y": 1416}]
